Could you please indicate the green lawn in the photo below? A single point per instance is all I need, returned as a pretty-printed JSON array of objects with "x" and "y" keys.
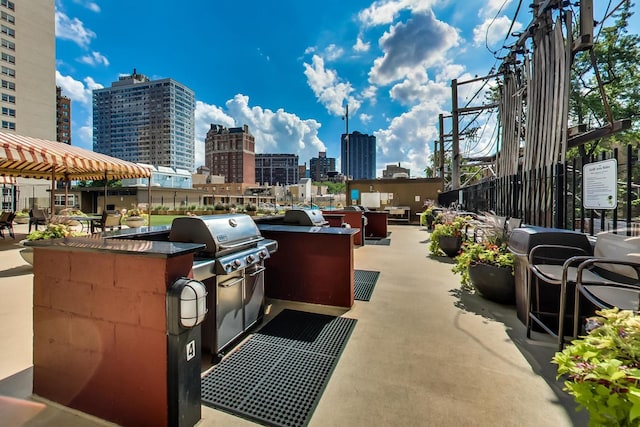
[{"x": 163, "y": 219}]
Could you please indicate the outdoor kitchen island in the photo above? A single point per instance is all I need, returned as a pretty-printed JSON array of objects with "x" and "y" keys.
[
  {"x": 100, "y": 329},
  {"x": 312, "y": 265}
]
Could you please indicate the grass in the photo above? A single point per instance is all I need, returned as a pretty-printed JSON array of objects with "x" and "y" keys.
[{"x": 163, "y": 219}]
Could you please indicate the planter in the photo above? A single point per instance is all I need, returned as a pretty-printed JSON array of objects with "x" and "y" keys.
[
  {"x": 493, "y": 283},
  {"x": 26, "y": 253},
  {"x": 22, "y": 219},
  {"x": 450, "y": 245},
  {"x": 134, "y": 221}
]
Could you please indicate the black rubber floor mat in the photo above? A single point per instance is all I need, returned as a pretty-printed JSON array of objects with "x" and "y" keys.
[
  {"x": 382, "y": 242},
  {"x": 364, "y": 283},
  {"x": 277, "y": 377}
]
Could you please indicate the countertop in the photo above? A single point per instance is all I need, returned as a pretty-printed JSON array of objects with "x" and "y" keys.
[
  {"x": 307, "y": 229},
  {"x": 129, "y": 241}
]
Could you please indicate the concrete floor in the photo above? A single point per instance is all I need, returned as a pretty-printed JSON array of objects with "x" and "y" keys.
[{"x": 423, "y": 352}]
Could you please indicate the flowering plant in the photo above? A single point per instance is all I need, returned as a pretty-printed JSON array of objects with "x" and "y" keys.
[
  {"x": 493, "y": 253},
  {"x": 53, "y": 231},
  {"x": 446, "y": 228},
  {"x": 135, "y": 212},
  {"x": 602, "y": 369}
]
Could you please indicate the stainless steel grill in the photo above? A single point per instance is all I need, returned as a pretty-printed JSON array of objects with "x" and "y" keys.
[
  {"x": 308, "y": 217},
  {"x": 232, "y": 268}
]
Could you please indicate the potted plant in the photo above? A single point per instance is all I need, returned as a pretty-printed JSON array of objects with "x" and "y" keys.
[
  {"x": 602, "y": 369},
  {"x": 487, "y": 267},
  {"x": 135, "y": 218},
  {"x": 51, "y": 231},
  {"x": 426, "y": 217},
  {"x": 251, "y": 209},
  {"x": 22, "y": 217},
  {"x": 447, "y": 235}
]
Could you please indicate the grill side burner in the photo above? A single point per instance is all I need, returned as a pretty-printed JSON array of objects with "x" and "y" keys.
[
  {"x": 232, "y": 269},
  {"x": 308, "y": 217}
]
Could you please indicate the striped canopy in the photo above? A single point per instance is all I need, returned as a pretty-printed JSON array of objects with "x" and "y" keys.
[{"x": 38, "y": 158}]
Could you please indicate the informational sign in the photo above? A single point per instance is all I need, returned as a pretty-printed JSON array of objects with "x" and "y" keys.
[
  {"x": 599, "y": 184},
  {"x": 371, "y": 200},
  {"x": 191, "y": 350}
]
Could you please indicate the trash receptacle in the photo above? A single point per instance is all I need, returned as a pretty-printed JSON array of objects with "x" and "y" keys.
[{"x": 521, "y": 241}]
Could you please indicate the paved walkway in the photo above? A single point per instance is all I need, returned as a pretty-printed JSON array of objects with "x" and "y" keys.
[{"x": 423, "y": 353}]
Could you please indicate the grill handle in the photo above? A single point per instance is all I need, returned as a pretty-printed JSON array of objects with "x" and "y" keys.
[
  {"x": 231, "y": 282},
  {"x": 242, "y": 243},
  {"x": 257, "y": 271}
]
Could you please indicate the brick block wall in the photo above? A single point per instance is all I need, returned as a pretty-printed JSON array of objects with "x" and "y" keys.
[{"x": 100, "y": 342}]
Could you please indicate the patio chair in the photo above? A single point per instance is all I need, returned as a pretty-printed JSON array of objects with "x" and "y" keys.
[
  {"x": 37, "y": 217},
  {"x": 107, "y": 221},
  {"x": 6, "y": 223}
]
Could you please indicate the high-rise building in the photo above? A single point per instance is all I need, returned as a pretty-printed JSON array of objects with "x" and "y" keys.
[
  {"x": 28, "y": 68},
  {"x": 146, "y": 121},
  {"x": 358, "y": 153},
  {"x": 275, "y": 169},
  {"x": 231, "y": 152},
  {"x": 319, "y": 167},
  {"x": 63, "y": 117},
  {"x": 394, "y": 171}
]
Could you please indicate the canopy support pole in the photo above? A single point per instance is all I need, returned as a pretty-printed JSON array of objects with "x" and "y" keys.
[
  {"x": 149, "y": 201},
  {"x": 104, "y": 202},
  {"x": 52, "y": 197}
]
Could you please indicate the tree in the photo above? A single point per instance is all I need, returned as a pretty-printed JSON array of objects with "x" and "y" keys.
[{"x": 617, "y": 55}]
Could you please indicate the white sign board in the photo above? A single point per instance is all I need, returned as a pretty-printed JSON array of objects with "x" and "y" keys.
[
  {"x": 599, "y": 184},
  {"x": 371, "y": 200}
]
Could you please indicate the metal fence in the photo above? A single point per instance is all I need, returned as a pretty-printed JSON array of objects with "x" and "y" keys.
[{"x": 553, "y": 196}]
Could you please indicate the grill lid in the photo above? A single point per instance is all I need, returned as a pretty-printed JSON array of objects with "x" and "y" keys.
[
  {"x": 311, "y": 217},
  {"x": 220, "y": 233}
]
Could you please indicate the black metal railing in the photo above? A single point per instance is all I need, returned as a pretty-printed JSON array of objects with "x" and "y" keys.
[{"x": 552, "y": 196}]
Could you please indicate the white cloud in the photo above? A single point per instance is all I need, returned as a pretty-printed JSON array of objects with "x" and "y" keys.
[
  {"x": 73, "y": 29},
  {"x": 492, "y": 8},
  {"x": 333, "y": 52},
  {"x": 361, "y": 46},
  {"x": 329, "y": 90},
  {"x": 365, "y": 118},
  {"x": 421, "y": 42},
  {"x": 95, "y": 58},
  {"x": 383, "y": 12},
  {"x": 92, "y": 6},
  {"x": 76, "y": 90},
  {"x": 493, "y": 32},
  {"x": 370, "y": 94},
  {"x": 408, "y": 137},
  {"x": 418, "y": 88},
  {"x": 274, "y": 131}
]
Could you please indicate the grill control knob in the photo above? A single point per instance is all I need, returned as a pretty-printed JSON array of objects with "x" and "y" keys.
[
  {"x": 236, "y": 263},
  {"x": 250, "y": 258},
  {"x": 263, "y": 253}
]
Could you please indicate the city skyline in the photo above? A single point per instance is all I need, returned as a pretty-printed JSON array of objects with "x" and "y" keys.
[{"x": 287, "y": 70}]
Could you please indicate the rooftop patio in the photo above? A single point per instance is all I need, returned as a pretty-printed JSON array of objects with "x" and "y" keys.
[{"x": 423, "y": 352}]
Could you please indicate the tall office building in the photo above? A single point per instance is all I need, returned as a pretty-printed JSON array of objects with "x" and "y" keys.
[
  {"x": 275, "y": 169},
  {"x": 231, "y": 152},
  {"x": 28, "y": 68},
  {"x": 319, "y": 167},
  {"x": 145, "y": 121},
  {"x": 358, "y": 152},
  {"x": 63, "y": 117}
]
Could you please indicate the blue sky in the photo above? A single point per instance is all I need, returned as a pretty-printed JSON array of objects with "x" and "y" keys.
[{"x": 287, "y": 68}]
